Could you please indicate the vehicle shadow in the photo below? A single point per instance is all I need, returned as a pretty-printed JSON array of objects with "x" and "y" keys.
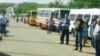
[
  {"x": 72, "y": 40},
  {"x": 88, "y": 52},
  {"x": 3, "y": 54},
  {"x": 30, "y": 41},
  {"x": 7, "y": 36},
  {"x": 24, "y": 27},
  {"x": 26, "y": 54},
  {"x": 71, "y": 44},
  {"x": 86, "y": 46}
]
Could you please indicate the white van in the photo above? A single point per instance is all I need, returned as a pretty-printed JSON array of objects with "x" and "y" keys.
[{"x": 85, "y": 13}]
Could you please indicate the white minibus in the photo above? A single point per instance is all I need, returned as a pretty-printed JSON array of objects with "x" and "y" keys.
[{"x": 85, "y": 13}]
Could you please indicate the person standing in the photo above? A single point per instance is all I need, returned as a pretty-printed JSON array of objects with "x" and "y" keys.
[
  {"x": 24, "y": 20},
  {"x": 92, "y": 27},
  {"x": 65, "y": 30},
  {"x": 96, "y": 35},
  {"x": 17, "y": 19},
  {"x": 78, "y": 32},
  {"x": 85, "y": 31},
  {"x": 3, "y": 23}
]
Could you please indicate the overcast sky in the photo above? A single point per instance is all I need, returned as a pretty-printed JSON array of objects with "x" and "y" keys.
[{"x": 38, "y": 1}]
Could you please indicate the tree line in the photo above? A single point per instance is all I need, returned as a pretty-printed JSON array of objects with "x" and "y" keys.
[
  {"x": 28, "y": 6},
  {"x": 3, "y": 6}
]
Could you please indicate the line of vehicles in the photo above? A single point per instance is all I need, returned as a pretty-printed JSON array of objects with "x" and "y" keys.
[{"x": 41, "y": 15}]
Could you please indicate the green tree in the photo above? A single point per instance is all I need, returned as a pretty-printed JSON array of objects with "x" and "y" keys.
[
  {"x": 3, "y": 6},
  {"x": 57, "y": 4},
  {"x": 84, "y": 4},
  {"x": 27, "y": 7}
]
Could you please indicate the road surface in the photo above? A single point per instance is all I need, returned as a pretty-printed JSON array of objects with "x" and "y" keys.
[{"x": 25, "y": 40}]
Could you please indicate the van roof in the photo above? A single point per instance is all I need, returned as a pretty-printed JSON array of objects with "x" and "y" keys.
[
  {"x": 85, "y": 11},
  {"x": 52, "y": 9}
]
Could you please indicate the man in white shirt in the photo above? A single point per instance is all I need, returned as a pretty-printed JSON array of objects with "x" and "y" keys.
[
  {"x": 96, "y": 35},
  {"x": 3, "y": 23}
]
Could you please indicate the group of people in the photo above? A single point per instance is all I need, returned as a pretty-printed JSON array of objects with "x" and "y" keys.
[
  {"x": 21, "y": 19},
  {"x": 80, "y": 27},
  {"x": 81, "y": 31}
]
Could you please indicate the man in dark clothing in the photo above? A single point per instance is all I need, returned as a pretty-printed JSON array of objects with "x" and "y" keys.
[
  {"x": 78, "y": 32},
  {"x": 17, "y": 19},
  {"x": 65, "y": 30}
]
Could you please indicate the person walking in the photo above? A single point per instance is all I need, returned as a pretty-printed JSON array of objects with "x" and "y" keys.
[
  {"x": 50, "y": 24},
  {"x": 78, "y": 32},
  {"x": 96, "y": 35},
  {"x": 3, "y": 23},
  {"x": 59, "y": 29},
  {"x": 65, "y": 30}
]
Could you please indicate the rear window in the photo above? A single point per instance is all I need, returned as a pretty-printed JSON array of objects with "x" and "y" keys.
[
  {"x": 63, "y": 12},
  {"x": 87, "y": 16},
  {"x": 72, "y": 17}
]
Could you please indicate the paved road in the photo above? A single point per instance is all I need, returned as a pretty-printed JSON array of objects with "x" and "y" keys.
[{"x": 25, "y": 40}]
